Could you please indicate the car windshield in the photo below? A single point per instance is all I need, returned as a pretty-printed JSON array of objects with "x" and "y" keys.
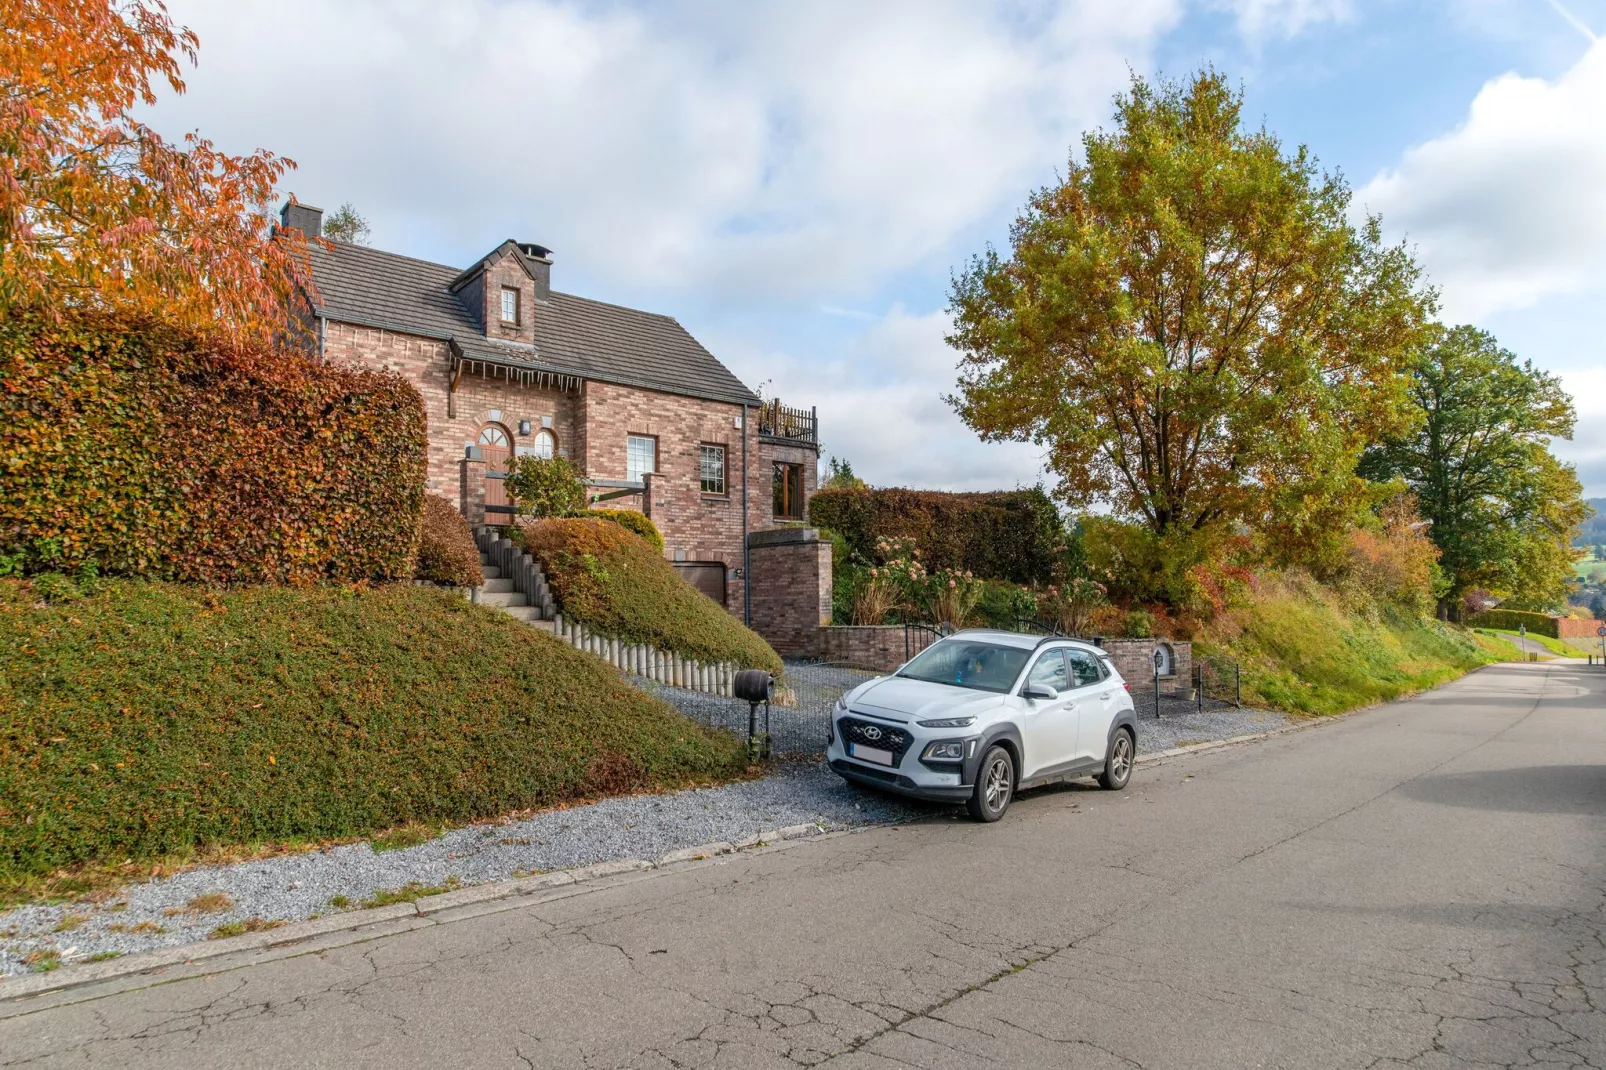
[{"x": 967, "y": 663}]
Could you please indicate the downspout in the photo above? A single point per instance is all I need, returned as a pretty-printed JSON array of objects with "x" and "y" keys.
[
  {"x": 323, "y": 336},
  {"x": 747, "y": 563}
]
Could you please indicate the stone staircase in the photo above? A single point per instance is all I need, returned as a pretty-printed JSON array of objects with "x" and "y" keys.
[{"x": 514, "y": 582}]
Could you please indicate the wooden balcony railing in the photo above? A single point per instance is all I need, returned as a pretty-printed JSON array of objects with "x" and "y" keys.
[{"x": 796, "y": 425}]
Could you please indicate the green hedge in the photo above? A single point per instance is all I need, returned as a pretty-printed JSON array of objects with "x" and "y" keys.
[
  {"x": 618, "y": 584},
  {"x": 144, "y": 450},
  {"x": 629, "y": 519},
  {"x": 1510, "y": 619},
  {"x": 1005, "y": 535},
  {"x": 149, "y": 719}
]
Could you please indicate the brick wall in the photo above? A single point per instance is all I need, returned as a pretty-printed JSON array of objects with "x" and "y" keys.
[
  {"x": 478, "y": 400},
  {"x": 1134, "y": 660},
  {"x": 695, "y": 526},
  {"x": 882, "y": 647},
  {"x": 1574, "y": 628},
  {"x": 791, "y": 588}
]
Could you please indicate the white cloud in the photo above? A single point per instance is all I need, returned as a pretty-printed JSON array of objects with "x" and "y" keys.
[
  {"x": 1262, "y": 18},
  {"x": 880, "y": 404},
  {"x": 726, "y": 147},
  {"x": 1508, "y": 208},
  {"x": 1587, "y": 449}
]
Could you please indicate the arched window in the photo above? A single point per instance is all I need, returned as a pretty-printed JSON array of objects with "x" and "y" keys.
[
  {"x": 546, "y": 444},
  {"x": 495, "y": 435}
]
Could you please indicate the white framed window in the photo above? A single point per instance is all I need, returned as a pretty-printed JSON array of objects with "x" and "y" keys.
[
  {"x": 546, "y": 445},
  {"x": 641, "y": 457},
  {"x": 510, "y": 305},
  {"x": 712, "y": 469}
]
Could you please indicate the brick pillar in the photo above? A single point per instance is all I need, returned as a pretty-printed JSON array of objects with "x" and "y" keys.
[
  {"x": 791, "y": 578},
  {"x": 647, "y": 481},
  {"x": 472, "y": 501}
]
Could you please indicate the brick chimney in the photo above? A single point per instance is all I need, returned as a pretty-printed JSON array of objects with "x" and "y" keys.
[
  {"x": 539, "y": 260},
  {"x": 303, "y": 217}
]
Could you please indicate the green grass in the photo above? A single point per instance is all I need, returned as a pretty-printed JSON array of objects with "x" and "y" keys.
[
  {"x": 618, "y": 584},
  {"x": 149, "y": 722},
  {"x": 409, "y": 893},
  {"x": 1588, "y": 564},
  {"x": 1302, "y": 649},
  {"x": 1562, "y": 648}
]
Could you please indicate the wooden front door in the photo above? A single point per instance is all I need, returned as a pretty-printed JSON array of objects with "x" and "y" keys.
[{"x": 496, "y": 445}]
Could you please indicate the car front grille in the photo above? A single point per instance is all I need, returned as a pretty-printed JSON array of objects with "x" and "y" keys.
[{"x": 886, "y": 737}]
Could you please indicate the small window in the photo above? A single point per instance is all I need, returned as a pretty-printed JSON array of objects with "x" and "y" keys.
[
  {"x": 713, "y": 469},
  {"x": 1085, "y": 667},
  {"x": 788, "y": 491},
  {"x": 510, "y": 305},
  {"x": 495, "y": 435},
  {"x": 546, "y": 445},
  {"x": 1050, "y": 670},
  {"x": 641, "y": 457}
]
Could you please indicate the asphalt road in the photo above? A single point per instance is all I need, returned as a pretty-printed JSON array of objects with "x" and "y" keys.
[{"x": 1419, "y": 885}]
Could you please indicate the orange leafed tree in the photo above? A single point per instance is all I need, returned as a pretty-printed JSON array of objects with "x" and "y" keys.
[{"x": 98, "y": 210}]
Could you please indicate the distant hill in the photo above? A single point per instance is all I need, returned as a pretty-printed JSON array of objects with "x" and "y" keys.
[{"x": 1594, "y": 530}]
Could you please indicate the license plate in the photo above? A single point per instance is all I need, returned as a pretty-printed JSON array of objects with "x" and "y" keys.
[{"x": 870, "y": 754}]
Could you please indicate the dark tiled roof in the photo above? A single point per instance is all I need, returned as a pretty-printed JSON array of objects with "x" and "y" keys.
[{"x": 573, "y": 335}]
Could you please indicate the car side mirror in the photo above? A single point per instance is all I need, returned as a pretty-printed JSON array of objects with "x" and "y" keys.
[{"x": 1042, "y": 691}]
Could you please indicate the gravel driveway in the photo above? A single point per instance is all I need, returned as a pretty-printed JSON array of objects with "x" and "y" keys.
[{"x": 292, "y": 887}]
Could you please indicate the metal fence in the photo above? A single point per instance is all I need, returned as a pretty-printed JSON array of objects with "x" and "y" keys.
[{"x": 1212, "y": 684}]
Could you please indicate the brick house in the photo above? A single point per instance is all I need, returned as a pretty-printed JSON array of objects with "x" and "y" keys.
[{"x": 508, "y": 366}]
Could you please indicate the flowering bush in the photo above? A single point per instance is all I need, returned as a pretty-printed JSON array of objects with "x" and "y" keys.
[
  {"x": 950, "y": 597},
  {"x": 889, "y": 585},
  {"x": 1069, "y": 605}
]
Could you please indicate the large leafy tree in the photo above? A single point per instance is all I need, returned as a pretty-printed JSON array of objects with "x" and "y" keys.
[
  {"x": 1503, "y": 510},
  {"x": 1190, "y": 324},
  {"x": 96, "y": 208}
]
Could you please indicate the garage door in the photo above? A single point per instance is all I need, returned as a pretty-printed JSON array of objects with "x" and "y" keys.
[{"x": 707, "y": 576}]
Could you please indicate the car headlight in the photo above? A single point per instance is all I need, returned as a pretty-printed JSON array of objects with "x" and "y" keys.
[
  {"x": 951, "y": 750},
  {"x": 949, "y": 722}
]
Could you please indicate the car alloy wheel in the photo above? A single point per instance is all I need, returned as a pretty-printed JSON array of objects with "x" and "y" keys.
[
  {"x": 995, "y": 786},
  {"x": 1118, "y": 766}
]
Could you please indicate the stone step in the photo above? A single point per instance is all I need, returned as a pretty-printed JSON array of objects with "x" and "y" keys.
[
  {"x": 491, "y": 571},
  {"x": 548, "y": 626},
  {"x": 497, "y": 586},
  {"x": 503, "y": 598},
  {"x": 526, "y": 613}
]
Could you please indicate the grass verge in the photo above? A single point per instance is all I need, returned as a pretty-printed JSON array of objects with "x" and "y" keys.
[
  {"x": 1302, "y": 648},
  {"x": 1562, "y": 648},
  {"x": 146, "y": 723}
]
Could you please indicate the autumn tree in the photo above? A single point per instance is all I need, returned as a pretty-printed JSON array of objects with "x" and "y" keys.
[
  {"x": 97, "y": 209},
  {"x": 1190, "y": 324},
  {"x": 1503, "y": 509}
]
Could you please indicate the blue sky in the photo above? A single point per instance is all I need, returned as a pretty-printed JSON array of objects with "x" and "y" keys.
[{"x": 796, "y": 182}]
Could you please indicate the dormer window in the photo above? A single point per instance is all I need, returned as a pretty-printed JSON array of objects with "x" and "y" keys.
[{"x": 510, "y": 305}]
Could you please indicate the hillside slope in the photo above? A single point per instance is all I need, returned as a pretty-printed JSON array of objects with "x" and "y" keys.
[
  {"x": 149, "y": 719},
  {"x": 1304, "y": 648}
]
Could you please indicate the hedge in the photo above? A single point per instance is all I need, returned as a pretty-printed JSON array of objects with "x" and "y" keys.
[
  {"x": 149, "y": 719},
  {"x": 144, "y": 450},
  {"x": 1006, "y": 535},
  {"x": 618, "y": 584},
  {"x": 1510, "y": 619},
  {"x": 446, "y": 549},
  {"x": 630, "y": 520}
]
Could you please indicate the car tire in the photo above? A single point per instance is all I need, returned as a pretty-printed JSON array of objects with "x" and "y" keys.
[
  {"x": 1118, "y": 763},
  {"x": 995, "y": 785}
]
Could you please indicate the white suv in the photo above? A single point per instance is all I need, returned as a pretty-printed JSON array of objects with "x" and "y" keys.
[{"x": 979, "y": 715}]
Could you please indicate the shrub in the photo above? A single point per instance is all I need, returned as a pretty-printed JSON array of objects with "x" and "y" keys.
[
  {"x": 148, "y": 451},
  {"x": 616, "y": 583},
  {"x": 1395, "y": 564},
  {"x": 1511, "y": 619},
  {"x": 546, "y": 486},
  {"x": 152, "y": 719},
  {"x": 446, "y": 549},
  {"x": 630, "y": 520},
  {"x": 1010, "y": 535}
]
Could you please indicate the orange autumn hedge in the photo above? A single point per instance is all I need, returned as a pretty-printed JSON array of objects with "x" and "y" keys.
[{"x": 145, "y": 450}]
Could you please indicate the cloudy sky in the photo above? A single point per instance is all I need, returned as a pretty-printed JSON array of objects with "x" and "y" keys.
[{"x": 796, "y": 181}]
